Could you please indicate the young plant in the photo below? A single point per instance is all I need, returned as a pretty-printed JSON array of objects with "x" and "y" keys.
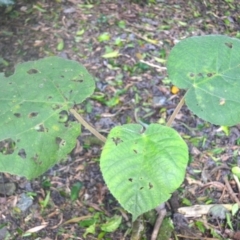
[{"x": 141, "y": 165}]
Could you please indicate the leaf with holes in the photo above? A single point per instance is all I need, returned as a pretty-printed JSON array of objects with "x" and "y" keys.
[
  {"x": 35, "y": 129},
  {"x": 209, "y": 68},
  {"x": 142, "y": 168}
]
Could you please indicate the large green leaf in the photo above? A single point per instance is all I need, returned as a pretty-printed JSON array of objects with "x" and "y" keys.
[
  {"x": 142, "y": 168},
  {"x": 209, "y": 67},
  {"x": 35, "y": 130}
]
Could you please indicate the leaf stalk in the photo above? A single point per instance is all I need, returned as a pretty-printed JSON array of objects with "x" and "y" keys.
[
  {"x": 176, "y": 111},
  {"x": 87, "y": 125}
]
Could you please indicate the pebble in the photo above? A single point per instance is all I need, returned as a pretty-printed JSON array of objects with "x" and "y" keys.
[
  {"x": 25, "y": 202},
  {"x": 159, "y": 101},
  {"x": 69, "y": 10},
  {"x": 7, "y": 188}
]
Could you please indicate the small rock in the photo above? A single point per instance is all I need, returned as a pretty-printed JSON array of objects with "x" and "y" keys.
[
  {"x": 159, "y": 101},
  {"x": 131, "y": 37},
  {"x": 7, "y": 188},
  {"x": 69, "y": 10},
  {"x": 25, "y": 202},
  {"x": 149, "y": 47},
  {"x": 63, "y": 55},
  {"x": 28, "y": 187},
  {"x": 218, "y": 211}
]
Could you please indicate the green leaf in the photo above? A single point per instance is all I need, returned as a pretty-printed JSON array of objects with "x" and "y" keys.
[
  {"x": 209, "y": 68},
  {"x": 35, "y": 130},
  {"x": 142, "y": 168},
  {"x": 76, "y": 188},
  {"x": 91, "y": 229},
  {"x": 45, "y": 202},
  {"x": 142, "y": 66},
  {"x": 235, "y": 209},
  {"x": 80, "y": 32},
  {"x": 121, "y": 24},
  {"x": 160, "y": 60},
  {"x": 186, "y": 202},
  {"x": 229, "y": 222},
  {"x": 236, "y": 171},
  {"x": 112, "y": 225},
  {"x": 200, "y": 226},
  {"x": 60, "y": 45},
  {"x": 4, "y": 62},
  {"x": 112, "y": 54},
  {"x": 104, "y": 37},
  {"x": 87, "y": 222},
  {"x": 226, "y": 130},
  {"x": 118, "y": 41}
]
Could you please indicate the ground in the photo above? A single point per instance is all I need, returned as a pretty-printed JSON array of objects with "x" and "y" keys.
[{"x": 131, "y": 86}]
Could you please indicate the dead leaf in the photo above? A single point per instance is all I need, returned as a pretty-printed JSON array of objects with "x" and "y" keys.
[{"x": 37, "y": 229}]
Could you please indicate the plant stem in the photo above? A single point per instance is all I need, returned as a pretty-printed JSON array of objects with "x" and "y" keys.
[
  {"x": 161, "y": 210},
  {"x": 176, "y": 111},
  {"x": 87, "y": 125}
]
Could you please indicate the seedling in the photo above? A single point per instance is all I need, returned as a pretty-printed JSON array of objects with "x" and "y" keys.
[
  {"x": 45, "y": 202},
  {"x": 141, "y": 165},
  {"x": 109, "y": 225},
  {"x": 76, "y": 188}
]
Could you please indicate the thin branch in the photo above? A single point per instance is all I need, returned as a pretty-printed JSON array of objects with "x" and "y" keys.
[
  {"x": 88, "y": 126},
  {"x": 141, "y": 37},
  {"x": 153, "y": 65},
  {"x": 161, "y": 214},
  {"x": 190, "y": 237},
  {"x": 229, "y": 188}
]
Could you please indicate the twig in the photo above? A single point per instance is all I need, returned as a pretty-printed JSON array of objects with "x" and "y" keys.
[
  {"x": 184, "y": 236},
  {"x": 87, "y": 125},
  {"x": 112, "y": 115},
  {"x": 141, "y": 37},
  {"x": 153, "y": 65},
  {"x": 143, "y": 28},
  {"x": 229, "y": 188},
  {"x": 161, "y": 214},
  {"x": 223, "y": 166}
]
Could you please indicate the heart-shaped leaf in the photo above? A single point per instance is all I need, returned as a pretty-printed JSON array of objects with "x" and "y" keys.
[
  {"x": 142, "y": 168},
  {"x": 35, "y": 129},
  {"x": 209, "y": 67}
]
